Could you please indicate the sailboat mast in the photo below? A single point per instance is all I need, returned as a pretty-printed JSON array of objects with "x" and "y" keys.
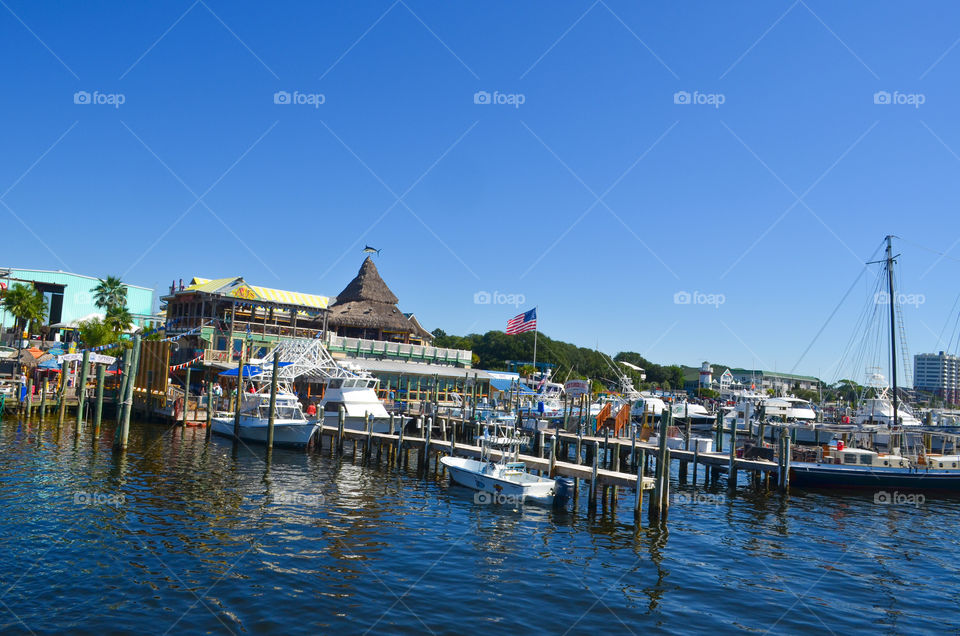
[{"x": 893, "y": 318}]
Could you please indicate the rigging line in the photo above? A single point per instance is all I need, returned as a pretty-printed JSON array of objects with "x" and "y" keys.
[
  {"x": 947, "y": 322},
  {"x": 955, "y": 333},
  {"x": 929, "y": 249},
  {"x": 832, "y": 314},
  {"x": 856, "y": 348}
]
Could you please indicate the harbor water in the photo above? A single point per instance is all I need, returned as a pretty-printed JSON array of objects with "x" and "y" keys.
[{"x": 179, "y": 534}]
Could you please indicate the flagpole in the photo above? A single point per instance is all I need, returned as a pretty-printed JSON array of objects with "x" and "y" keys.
[{"x": 535, "y": 341}]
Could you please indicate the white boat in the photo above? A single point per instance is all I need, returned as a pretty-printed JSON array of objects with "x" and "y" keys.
[
  {"x": 290, "y": 427},
  {"x": 698, "y": 415},
  {"x": 358, "y": 397},
  {"x": 506, "y": 480}
]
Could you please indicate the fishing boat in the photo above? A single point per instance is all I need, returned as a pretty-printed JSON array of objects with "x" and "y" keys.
[
  {"x": 697, "y": 414},
  {"x": 357, "y": 395},
  {"x": 505, "y": 480},
  {"x": 290, "y": 427}
]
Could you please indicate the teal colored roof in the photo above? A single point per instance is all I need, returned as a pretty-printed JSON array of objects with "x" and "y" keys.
[{"x": 774, "y": 374}]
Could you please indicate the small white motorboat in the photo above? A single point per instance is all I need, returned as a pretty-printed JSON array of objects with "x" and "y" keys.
[
  {"x": 506, "y": 480},
  {"x": 290, "y": 427}
]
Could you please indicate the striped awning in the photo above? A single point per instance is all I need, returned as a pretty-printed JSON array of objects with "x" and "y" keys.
[
  {"x": 238, "y": 288},
  {"x": 291, "y": 298}
]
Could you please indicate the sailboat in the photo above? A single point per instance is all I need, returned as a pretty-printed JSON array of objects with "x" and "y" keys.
[{"x": 839, "y": 467}]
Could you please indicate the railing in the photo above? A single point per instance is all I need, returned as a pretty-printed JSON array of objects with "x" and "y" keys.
[{"x": 397, "y": 350}]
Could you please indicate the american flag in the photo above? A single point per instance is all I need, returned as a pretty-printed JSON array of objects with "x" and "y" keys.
[{"x": 526, "y": 321}]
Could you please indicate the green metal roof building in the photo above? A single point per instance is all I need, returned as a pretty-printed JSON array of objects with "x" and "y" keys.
[{"x": 70, "y": 296}]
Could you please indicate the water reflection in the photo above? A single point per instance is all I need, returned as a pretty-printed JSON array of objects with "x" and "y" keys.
[{"x": 215, "y": 536}]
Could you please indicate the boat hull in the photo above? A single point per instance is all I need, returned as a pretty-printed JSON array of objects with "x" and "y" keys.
[
  {"x": 810, "y": 475},
  {"x": 292, "y": 433},
  {"x": 380, "y": 424},
  {"x": 469, "y": 473}
]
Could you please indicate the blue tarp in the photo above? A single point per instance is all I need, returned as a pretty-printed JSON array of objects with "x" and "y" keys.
[
  {"x": 249, "y": 370},
  {"x": 49, "y": 364},
  {"x": 501, "y": 385}
]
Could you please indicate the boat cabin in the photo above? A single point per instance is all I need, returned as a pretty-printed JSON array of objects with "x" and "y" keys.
[
  {"x": 353, "y": 383},
  {"x": 287, "y": 407},
  {"x": 943, "y": 461},
  {"x": 864, "y": 457}
]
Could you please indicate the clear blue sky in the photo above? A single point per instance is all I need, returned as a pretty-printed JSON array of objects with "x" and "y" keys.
[{"x": 774, "y": 199}]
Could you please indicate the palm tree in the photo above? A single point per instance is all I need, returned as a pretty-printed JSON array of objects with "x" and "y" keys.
[
  {"x": 95, "y": 332},
  {"x": 26, "y": 304},
  {"x": 118, "y": 319},
  {"x": 110, "y": 293}
]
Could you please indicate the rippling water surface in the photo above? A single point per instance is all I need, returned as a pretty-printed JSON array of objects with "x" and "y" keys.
[{"x": 183, "y": 535}]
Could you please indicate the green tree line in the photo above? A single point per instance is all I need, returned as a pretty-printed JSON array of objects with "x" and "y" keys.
[{"x": 494, "y": 349}]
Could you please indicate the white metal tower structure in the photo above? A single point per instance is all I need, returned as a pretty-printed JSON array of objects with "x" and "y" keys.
[{"x": 306, "y": 357}]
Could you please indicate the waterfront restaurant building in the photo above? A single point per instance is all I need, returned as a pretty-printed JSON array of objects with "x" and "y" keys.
[{"x": 362, "y": 324}]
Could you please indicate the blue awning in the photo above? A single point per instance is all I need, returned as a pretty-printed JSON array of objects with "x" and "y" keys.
[{"x": 249, "y": 370}]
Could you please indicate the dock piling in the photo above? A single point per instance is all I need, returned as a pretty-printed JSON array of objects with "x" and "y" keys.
[
  {"x": 62, "y": 399},
  {"x": 274, "y": 378},
  {"x": 128, "y": 398},
  {"x": 186, "y": 398},
  {"x": 98, "y": 409}
]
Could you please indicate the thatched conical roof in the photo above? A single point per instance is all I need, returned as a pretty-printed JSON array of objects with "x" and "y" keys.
[
  {"x": 368, "y": 303},
  {"x": 367, "y": 286}
]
